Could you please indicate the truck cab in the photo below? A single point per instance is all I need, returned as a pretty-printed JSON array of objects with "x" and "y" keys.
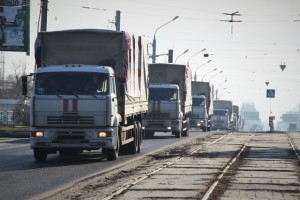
[
  {"x": 71, "y": 112},
  {"x": 220, "y": 119},
  {"x": 199, "y": 117},
  {"x": 164, "y": 110}
]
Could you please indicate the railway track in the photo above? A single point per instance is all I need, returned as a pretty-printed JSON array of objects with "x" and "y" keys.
[
  {"x": 231, "y": 166},
  {"x": 222, "y": 166}
]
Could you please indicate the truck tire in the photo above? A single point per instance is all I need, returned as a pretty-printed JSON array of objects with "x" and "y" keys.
[
  {"x": 112, "y": 154},
  {"x": 133, "y": 147},
  {"x": 149, "y": 134},
  {"x": 40, "y": 155},
  {"x": 139, "y": 136},
  {"x": 187, "y": 131},
  {"x": 209, "y": 128},
  {"x": 177, "y": 134},
  {"x": 204, "y": 129}
]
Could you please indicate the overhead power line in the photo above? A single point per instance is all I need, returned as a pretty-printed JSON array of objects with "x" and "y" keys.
[{"x": 231, "y": 19}]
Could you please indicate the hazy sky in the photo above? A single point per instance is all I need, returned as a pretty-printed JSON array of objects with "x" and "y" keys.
[{"x": 269, "y": 35}]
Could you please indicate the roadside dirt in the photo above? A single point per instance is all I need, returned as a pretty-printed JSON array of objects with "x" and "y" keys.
[{"x": 103, "y": 185}]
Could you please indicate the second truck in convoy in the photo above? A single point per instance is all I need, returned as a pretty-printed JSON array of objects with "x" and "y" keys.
[
  {"x": 202, "y": 94},
  {"x": 170, "y": 100}
]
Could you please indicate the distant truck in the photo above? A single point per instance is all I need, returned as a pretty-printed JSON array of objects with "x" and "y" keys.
[
  {"x": 251, "y": 119},
  {"x": 69, "y": 113},
  {"x": 170, "y": 100},
  {"x": 236, "y": 118},
  {"x": 292, "y": 127},
  {"x": 222, "y": 122},
  {"x": 202, "y": 110},
  {"x": 220, "y": 119}
]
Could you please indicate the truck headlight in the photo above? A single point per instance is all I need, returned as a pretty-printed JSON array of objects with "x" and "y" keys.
[
  {"x": 104, "y": 134},
  {"x": 37, "y": 134}
]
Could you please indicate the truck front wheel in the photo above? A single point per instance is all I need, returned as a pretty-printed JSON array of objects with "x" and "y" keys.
[
  {"x": 187, "y": 131},
  {"x": 149, "y": 134},
  {"x": 112, "y": 154},
  {"x": 177, "y": 134},
  {"x": 40, "y": 155}
]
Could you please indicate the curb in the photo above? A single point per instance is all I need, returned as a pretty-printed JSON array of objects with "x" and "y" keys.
[{"x": 15, "y": 134}]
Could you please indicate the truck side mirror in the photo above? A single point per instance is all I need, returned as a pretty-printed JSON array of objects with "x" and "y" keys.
[{"x": 24, "y": 85}]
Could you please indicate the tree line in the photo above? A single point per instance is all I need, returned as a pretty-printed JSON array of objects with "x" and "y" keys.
[{"x": 11, "y": 88}]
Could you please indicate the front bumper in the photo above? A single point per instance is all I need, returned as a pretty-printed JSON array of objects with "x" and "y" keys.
[
  {"x": 198, "y": 123},
  {"x": 162, "y": 125},
  {"x": 72, "y": 138}
]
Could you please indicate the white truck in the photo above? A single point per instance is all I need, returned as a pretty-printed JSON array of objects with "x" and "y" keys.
[
  {"x": 69, "y": 112},
  {"x": 202, "y": 110},
  {"x": 170, "y": 100},
  {"x": 222, "y": 117}
]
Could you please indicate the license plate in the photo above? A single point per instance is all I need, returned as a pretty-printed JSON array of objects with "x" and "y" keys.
[{"x": 70, "y": 141}]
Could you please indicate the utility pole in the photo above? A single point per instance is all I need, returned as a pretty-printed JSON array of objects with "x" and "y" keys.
[
  {"x": 118, "y": 20},
  {"x": 44, "y": 10},
  {"x": 2, "y": 64},
  {"x": 231, "y": 19}
]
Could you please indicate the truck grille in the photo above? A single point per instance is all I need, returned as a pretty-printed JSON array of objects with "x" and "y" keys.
[
  {"x": 159, "y": 115},
  {"x": 156, "y": 123},
  {"x": 70, "y": 120},
  {"x": 194, "y": 116}
]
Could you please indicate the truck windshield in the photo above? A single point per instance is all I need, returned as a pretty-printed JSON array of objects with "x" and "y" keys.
[
  {"x": 163, "y": 94},
  {"x": 198, "y": 102},
  {"x": 71, "y": 83},
  {"x": 220, "y": 112}
]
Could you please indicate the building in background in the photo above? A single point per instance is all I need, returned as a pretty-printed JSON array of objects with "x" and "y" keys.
[{"x": 8, "y": 111}]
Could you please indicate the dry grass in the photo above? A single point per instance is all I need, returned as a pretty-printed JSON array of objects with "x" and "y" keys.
[{"x": 14, "y": 128}]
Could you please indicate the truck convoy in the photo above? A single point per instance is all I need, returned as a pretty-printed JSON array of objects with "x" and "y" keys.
[
  {"x": 170, "y": 100},
  {"x": 89, "y": 93},
  {"x": 222, "y": 117},
  {"x": 202, "y": 110}
]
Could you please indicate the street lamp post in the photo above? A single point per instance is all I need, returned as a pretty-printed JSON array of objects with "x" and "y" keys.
[
  {"x": 222, "y": 83},
  {"x": 154, "y": 40},
  {"x": 217, "y": 92},
  {"x": 208, "y": 73},
  {"x": 217, "y": 88},
  {"x": 195, "y": 75},
  {"x": 215, "y": 75},
  {"x": 223, "y": 94},
  {"x": 194, "y": 55},
  {"x": 181, "y": 54}
]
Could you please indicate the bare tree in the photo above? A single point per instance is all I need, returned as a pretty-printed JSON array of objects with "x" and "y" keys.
[
  {"x": 12, "y": 85},
  {"x": 21, "y": 115}
]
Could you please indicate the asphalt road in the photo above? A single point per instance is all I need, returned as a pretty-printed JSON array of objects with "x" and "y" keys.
[{"x": 23, "y": 178}]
